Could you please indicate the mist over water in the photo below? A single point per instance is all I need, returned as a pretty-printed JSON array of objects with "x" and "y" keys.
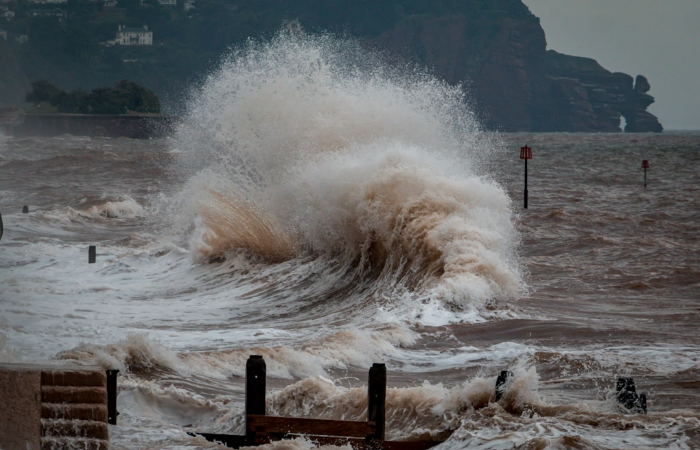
[{"x": 328, "y": 210}]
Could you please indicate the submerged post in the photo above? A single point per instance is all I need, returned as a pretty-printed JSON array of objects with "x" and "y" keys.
[
  {"x": 255, "y": 384},
  {"x": 645, "y": 166},
  {"x": 112, "y": 412},
  {"x": 627, "y": 396},
  {"x": 501, "y": 383},
  {"x": 525, "y": 153},
  {"x": 376, "y": 393},
  {"x": 1, "y": 227},
  {"x": 25, "y": 209},
  {"x": 92, "y": 254}
]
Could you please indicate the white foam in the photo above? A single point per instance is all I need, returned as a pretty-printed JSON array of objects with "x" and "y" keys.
[{"x": 342, "y": 156}]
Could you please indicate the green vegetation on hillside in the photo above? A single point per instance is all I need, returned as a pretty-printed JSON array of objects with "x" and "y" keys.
[
  {"x": 125, "y": 97},
  {"x": 73, "y": 51}
]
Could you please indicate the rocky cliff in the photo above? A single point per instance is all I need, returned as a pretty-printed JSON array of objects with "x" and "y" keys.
[
  {"x": 516, "y": 83},
  {"x": 496, "y": 47}
]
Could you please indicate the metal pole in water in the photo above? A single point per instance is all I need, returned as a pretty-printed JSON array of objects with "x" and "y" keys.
[
  {"x": 525, "y": 153},
  {"x": 92, "y": 254}
]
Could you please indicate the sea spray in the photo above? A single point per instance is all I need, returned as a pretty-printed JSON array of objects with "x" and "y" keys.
[{"x": 312, "y": 146}]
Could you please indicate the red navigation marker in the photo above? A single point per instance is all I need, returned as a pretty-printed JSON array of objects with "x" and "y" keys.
[{"x": 525, "y": 153}]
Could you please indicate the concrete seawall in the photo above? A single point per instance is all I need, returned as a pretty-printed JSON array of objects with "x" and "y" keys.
[{"x": 132, "y": 126}]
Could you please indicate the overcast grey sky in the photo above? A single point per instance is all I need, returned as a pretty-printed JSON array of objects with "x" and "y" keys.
[{"x": 659, "y": 39}]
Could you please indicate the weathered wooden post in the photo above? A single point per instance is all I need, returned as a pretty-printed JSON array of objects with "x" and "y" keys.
[
  {"x": 92, "y": 254},
  {"x": 255, "y": 385},
  {"x": 376, "y": 393},
  {"x": 25, "y": 209},
  {"x": 112, "y": 412},
  {"x": 501, "y": 381},
  {"x": 525, "y": 153},
  {"x": 627, "y": 396},
  {"x": 1, "y": 227}
]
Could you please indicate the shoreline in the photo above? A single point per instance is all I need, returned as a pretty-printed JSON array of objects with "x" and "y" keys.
[{"x": 134, "y": 126}]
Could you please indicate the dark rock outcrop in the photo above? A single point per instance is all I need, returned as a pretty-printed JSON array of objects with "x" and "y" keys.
[
  {"x": 516, "y": 83},
  {"x": 635, "y": 112}
]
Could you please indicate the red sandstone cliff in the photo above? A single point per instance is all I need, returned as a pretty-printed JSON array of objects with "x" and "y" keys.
[{"x": 516, "y": 83}]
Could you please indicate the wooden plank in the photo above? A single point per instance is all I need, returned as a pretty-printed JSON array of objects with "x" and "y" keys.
[
  {"x": 371, "y": 444},
  {"x": 229, "y": 440},
  {"x": 74, "y": 411},
  {"x": 71, "y": 428},
  {"x": 72, "y": 377},
  {"x": 70, "y": 394},
  {"x": 408, "y": 445},
  {"x": 234, "y": 441},
  {"x": 290, "y": 425}
]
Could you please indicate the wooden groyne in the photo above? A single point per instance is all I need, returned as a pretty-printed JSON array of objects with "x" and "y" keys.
[{"x": 360, "y": 435}]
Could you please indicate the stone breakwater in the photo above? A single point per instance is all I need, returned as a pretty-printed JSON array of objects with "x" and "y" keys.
[{"x": 132, "y": 126}]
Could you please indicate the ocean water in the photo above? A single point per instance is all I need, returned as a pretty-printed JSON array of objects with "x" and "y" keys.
[{"x": 329, "y": 211}]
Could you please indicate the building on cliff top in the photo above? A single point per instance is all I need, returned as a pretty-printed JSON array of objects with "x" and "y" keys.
[
  {"x": 134, "y": 36},
  {"x": 293, "y": 26}
]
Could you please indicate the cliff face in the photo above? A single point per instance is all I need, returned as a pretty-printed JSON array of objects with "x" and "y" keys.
[{"x": 518, "y": 85}]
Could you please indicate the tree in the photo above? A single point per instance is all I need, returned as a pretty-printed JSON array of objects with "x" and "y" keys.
[
  {"x": 106, "y": 101},
  {"x": 43, "y": 91},
  {"x": 123, "y": 97},
  {"x": 138, "y": 98},
  {"x": 74, "y": 102}
]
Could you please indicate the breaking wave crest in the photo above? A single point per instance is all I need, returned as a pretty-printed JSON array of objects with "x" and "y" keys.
[{"x": 311, "y": 146}]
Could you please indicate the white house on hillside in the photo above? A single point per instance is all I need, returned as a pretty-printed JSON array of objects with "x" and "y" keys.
[
  {"x": 134, "y": 36},
  {"x": 293, "y": 26}
]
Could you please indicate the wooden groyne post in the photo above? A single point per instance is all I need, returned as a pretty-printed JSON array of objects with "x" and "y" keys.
[
  {"x": 376, "y": 398},
  {"x": 360, "y": 435},
  {"x": 255, "y": 387}
]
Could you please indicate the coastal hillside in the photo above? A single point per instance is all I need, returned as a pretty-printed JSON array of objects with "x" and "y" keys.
[{"x": 496, "y": 48}]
